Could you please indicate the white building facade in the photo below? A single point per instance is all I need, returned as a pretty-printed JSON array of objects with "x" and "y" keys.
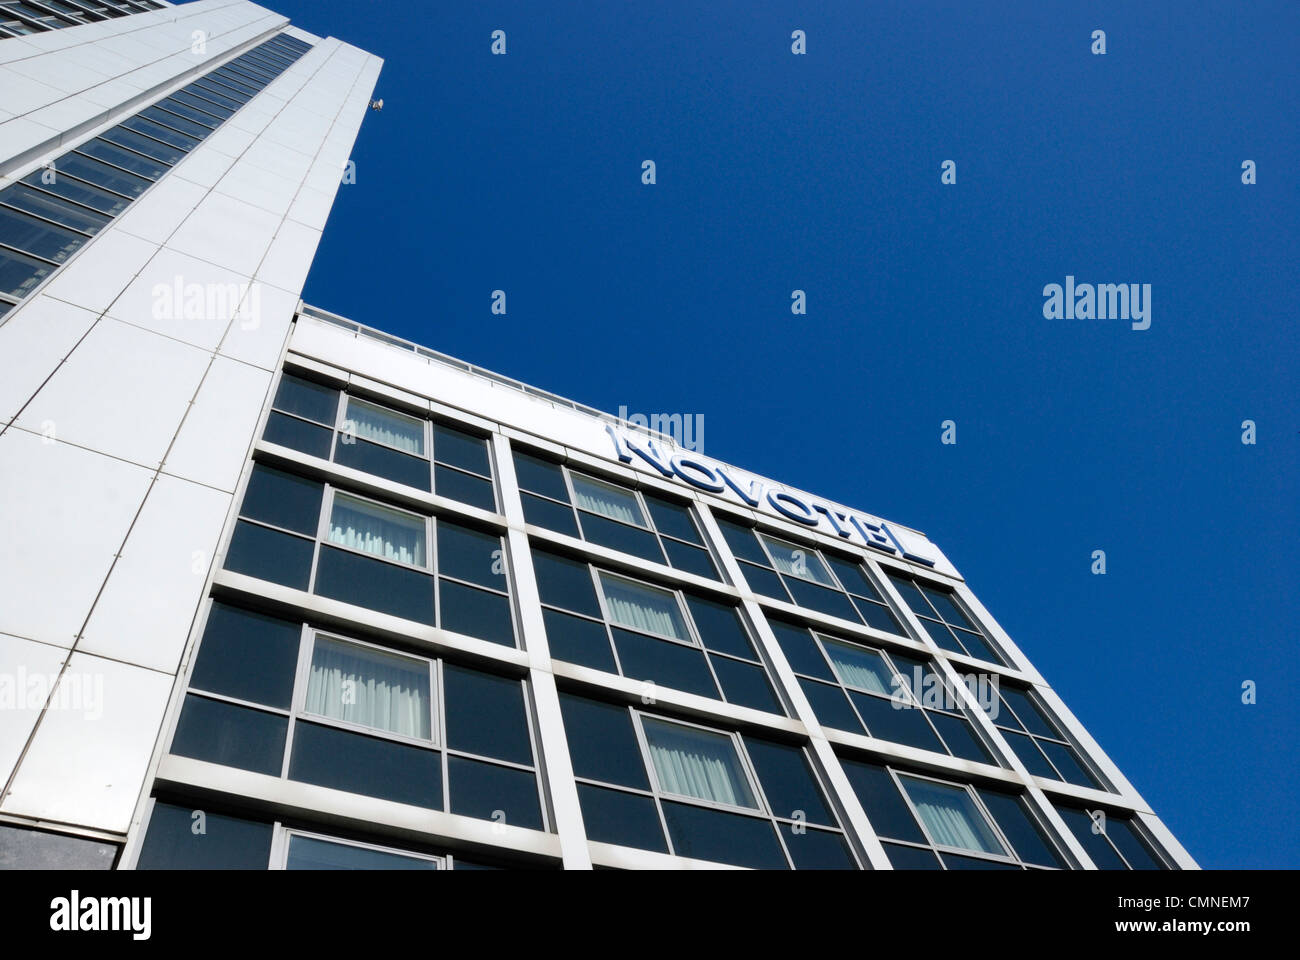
[{"x": 281, "y": 591}]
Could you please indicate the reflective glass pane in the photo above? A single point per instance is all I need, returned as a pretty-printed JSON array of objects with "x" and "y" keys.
[
  {"x": 53, "y": 208},
  {"x": 313, "y": 853},
  {"x": 602, "y": 742},
  {"x": 248, "y": 655},
  {"x": 231, "y": 735},
  {"x": 460, "y": 449},
  {"x": 226, "y": 843},
  {"x": 371, "y": 766},
  {"x": 38, "y": 237}
]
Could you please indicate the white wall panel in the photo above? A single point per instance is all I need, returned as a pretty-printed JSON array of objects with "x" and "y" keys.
[
  {"x": 33, "y": 341},
  {"x": 144, "y": 613},
  {"x": 86, "y": 766},
  {"x": 122, "y": 392},
  {"x": 27, "y": 669},
  {"x": 213, "y": 442},
  {"x": 64, "y": 512}
]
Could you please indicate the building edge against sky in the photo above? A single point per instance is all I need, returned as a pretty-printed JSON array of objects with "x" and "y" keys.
[{"x": 178, "y": 474}]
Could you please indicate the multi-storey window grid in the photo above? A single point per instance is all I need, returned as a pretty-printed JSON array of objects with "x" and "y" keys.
[
  {"x": 664, "y": 636},
  {"x": 1114, "y": 841},
  {"x": 1039, "y": 740},
  {"x": 889, "y": 695},
  {"x": 20, "y": 18},
  {"x": 355, "y": 432},
  {"x": 698, "y": 790},
  {"x": 941, "y": 614},
  {"x": 284, "y": 699},
  {"x": 609, "y": 514},
  {"x": 51, "y": 213},
  {"x": 317, "y": 537},
  {"x": 927, "y": 822},
  {"x": 808, "y": 577}
]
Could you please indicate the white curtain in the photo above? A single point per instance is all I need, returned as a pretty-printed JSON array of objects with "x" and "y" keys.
[
  {"x": 802, "y": 562},
  {"x": 863, "y": 669},
  {"x": 377, "y": 530},
  {"x": 358, "y": 685},
  {"x": 951, "y": 817},
  {"x": 697, "y": 763},
  {"x": 384, "y": 426},
  {"x": 615, "y": 504},
  {"x": 642, "y": 608}
]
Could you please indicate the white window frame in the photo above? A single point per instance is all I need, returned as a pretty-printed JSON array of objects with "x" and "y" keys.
[
  {"x": 284, "y": 836},
  {"x": 751, "y": 778},
  {"x": 692, "y": 638},
  {"x": 302, "y": 679}
]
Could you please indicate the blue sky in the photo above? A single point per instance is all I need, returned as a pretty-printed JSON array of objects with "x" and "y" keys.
[{"x": 822, "y": 173}]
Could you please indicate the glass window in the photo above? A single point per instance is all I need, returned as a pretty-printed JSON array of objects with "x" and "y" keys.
[
  {"x": 371, "y": 766},
  {"x": 607, "y": 500},
  {"x": 691, "y": 762},
  {"x": 38, "y": 237},
  {"x": 378, "y": 425},
  {"x": 235, "y": 736},
  {"x": 951, "y": 816},
  {"x": 54, "y": 208},
  {"x": 248, "y": 656},
  {"x": 283, "y": 499},
  {"x": 317, "y": 853},
  {"x": 369, "y": 687},
  {"x": 642, "y": 607},
  {"x": 797, "y": 561},
  {"x": 861, "y": 668},
  {"x": 225, "y": 843},
  {"x": 308, "y": 399},
  {"x": 565, "y": 583},
  {"x": 380, "y": 531}
]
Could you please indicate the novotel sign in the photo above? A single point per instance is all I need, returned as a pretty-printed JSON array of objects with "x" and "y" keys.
[{"x": 715, "y": 478}]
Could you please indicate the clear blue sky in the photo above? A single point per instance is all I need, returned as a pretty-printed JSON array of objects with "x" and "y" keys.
[{"x": 822, "y": 173}]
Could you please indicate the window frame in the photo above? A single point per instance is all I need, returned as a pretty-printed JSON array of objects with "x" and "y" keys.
[
  {"x": 763, "y": 811},
  {"x": 1008, "y": 856},
  {"x": 647, "y": 525},
  {"x": 302, "y": 680},
  {"x": 338, "y": 427},
  {"x": 737, "y": 746},
  {"x": 282, "y": 839},
  {"x": 433, "y": 569},
  {"x": 438, "y": 743},
  {"x": 692, "y": 638}
]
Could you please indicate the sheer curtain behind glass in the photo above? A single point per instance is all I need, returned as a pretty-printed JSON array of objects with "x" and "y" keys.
[
  {"x": 697, "y": 763},
  {"x": 607, "y": 501},
  {"x": 369, "y": 687},
  {"x": 644, "y": 608},
  {"x": 385, "y": 426},
  {"x": 377, "y": 530},
  {"x": 864, "y": 669},
  {"x": 794, "y": 561},
  {"x": 951, "y": 817}
]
